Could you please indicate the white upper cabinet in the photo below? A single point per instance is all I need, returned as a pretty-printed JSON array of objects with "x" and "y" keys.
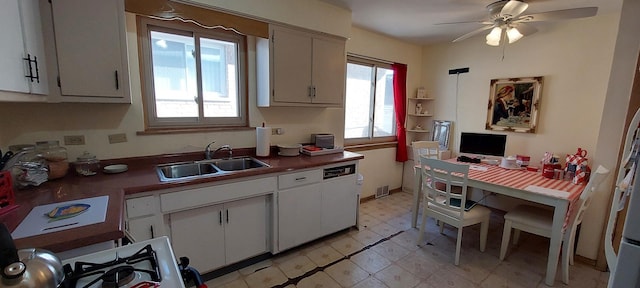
[
  {"x": 300, "y": 68},
  {"x": 91, "y": 50},
  {"x": 22, "y": 65}
]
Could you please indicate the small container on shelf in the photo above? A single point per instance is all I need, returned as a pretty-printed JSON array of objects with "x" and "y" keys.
[{"x": 87, "y": 164}]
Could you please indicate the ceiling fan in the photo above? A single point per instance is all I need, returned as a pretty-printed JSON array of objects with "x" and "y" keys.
[{"x": 507, "y": 21}]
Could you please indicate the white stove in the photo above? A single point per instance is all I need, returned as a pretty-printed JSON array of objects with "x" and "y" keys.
[{"x": 126, "y": 266}]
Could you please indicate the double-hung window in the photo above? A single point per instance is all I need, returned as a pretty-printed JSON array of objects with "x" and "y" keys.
[
  {"x": 193, "y": 77},
  {"x": 369, "y": 109}
]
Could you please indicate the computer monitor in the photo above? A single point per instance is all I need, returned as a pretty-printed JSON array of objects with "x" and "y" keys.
[{"x": 483, "y": 144}]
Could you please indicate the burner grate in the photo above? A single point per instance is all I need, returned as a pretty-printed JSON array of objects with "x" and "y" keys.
[{"x": 111, "y": 272}]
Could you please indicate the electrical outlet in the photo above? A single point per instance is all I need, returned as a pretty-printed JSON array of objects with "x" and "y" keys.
[
  {"x": 117, "y": 138},
  {"x": 277, "y": 131},
  {"x": 74, "y": 140}
]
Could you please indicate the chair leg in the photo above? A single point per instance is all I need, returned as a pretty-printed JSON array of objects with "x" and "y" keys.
[
  {"x": 506, "y": 234},
  {"x": 566, "y": 256},
  {"x": 458, "y": 245},
  {"x": 484, "y": 231},
  {"x": 516, "y": 236},
  {"x": 423, "y": 223},
  {"x": 572, "y": 240}
]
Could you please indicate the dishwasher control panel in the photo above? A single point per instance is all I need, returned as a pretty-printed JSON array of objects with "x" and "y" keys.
[{"x": 339, "y": 171}]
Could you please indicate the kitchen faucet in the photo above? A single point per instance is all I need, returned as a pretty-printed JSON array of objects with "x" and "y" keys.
[
  {"x": 209, "y": 155},
  {"x": 224, "y": 147},
  {"x": 207, "y": 150}
]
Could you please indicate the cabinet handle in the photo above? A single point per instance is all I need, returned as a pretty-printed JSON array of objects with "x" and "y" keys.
[
  {"x": 28, "y": 59},
  {"x": 309, "y": 91},
  {"x": 152, "y": 234},
  {"x": 227, "y": 215},
  {"x": 35, "y": 59},
  {"x": 314, "y": 92},
  {"x": 117, "y": 82},
  {"x": 220, "y": 217},
  {"x": 301, "y": 178}
]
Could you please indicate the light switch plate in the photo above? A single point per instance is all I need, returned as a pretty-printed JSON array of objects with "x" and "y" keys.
[
  {"x": 117, "y": 138},
  {"x": 74, "y": 140}
]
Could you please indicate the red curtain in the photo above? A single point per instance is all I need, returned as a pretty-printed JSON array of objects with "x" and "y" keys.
[{"x": 399, "y": 94}]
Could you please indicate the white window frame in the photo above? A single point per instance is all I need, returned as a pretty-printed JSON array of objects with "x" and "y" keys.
[
  {"x": 145, "y": 26},
  {"x": 359, "y": 60}
]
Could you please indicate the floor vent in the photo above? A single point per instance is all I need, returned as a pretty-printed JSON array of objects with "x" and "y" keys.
[{"x": 382, "y": 191}]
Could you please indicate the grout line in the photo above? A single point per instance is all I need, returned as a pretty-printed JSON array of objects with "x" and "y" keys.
[{"x": 295, "y": 280}]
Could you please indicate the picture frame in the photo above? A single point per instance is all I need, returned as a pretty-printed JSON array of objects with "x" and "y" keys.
[{"x": 514, "y": 104}]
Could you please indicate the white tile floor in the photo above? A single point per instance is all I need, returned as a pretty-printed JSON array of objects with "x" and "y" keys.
[{"x": 383, "y": 253}]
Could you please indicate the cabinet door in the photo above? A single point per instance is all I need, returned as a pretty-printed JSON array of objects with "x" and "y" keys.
[
  {"x": 329, "y": 71},
  {"x": 291, "y": 66},
  {"x": 339, "y": 204},
  {"x": 245, "y": 228},
  {"x": 91, "y": 48},
  {"x": 142, "y": 228},
  {"x": 199, "y": 235},
  {"x": 298, "y": 215},
  {"x": 21, "y": 29}
]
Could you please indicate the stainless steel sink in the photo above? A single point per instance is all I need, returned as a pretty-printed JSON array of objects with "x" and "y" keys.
[
  {"x": 196, "y": 169},
  {"x": 183, "y": 170},
  {"x": 236, "y": 164}
]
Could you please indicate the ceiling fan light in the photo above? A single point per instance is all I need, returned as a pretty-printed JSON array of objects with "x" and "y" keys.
[
  {"x": 493, "y": 38},
  {"x": 513, "y": 34}
]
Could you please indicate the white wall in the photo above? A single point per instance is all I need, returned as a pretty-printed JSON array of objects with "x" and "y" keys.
[{"x": 575, "y": 60}]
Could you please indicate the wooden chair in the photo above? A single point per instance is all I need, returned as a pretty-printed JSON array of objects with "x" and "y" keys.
[
  {"x": 429, "y": 149},
  {"x": 539, "y": 220},
  {"x": 440, "y": 201}
]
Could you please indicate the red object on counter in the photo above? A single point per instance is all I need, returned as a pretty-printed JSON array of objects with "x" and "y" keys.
[{"x": 7, "y": 197}]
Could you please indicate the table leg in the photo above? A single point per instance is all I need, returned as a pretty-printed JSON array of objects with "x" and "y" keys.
[
  {"x": 417, "y": 180},
  {"x": 555, "y": 242}
]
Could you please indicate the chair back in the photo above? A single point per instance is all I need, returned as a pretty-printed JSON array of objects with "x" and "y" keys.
[
  {"x": 582, "y": 204},
  {"x": 429, "y": 149},
  {"x": 441, "y": 192}
]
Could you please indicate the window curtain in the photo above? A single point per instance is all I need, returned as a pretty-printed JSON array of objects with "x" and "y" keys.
[{"x": 399, "y": 94}]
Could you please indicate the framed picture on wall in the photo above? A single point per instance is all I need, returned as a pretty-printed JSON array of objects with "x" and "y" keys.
[{"x": 513, "y": 104}]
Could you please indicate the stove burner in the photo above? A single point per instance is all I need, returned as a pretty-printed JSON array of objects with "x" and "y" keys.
[
  {"x": 114, "y": 273},
  {"x": 118, "y": 276}
]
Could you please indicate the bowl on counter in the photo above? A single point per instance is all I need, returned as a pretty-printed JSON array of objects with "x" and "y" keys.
[{"x": 289, "y": 149}]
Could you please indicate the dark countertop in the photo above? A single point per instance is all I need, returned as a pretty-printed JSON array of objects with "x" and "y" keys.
[{"x": 140, "y": 177}]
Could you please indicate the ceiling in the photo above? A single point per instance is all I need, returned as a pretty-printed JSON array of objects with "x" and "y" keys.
[{"x": 414, "y": 20}]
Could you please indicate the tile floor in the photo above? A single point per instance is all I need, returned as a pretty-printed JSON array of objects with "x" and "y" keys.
[{"x": 383, "y": 253}]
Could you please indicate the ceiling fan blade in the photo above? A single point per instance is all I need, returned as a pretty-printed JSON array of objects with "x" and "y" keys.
[
  {"x": 513, "y": 9},
  {"x": 561, "y": 14},
  {"x": 525, "y": 29},
  {"x": 466, "y": 22},
  {"x": 473, "y": 33}
]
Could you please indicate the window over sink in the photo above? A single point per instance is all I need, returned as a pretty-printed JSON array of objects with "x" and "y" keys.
[{"x": 192, "y": 76}]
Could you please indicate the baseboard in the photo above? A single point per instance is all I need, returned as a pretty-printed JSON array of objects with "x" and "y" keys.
[
  {"x": 585, "y": 260},
  {"x": 373, "y": 197}
]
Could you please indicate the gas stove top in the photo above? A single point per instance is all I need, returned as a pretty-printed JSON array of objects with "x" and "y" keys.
[{"x": 150, "y": 261}]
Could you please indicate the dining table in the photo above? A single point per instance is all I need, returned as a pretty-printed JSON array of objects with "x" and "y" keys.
[{"x": 522, "y": 184}]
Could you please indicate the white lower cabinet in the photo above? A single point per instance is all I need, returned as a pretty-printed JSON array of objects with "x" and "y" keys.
[
  {"x": 142, "y": 220},
  {"x": 310, "y": 207},
  {"x": 339, "y": 204},
  {"x": 223, "y": 234},
  {"x": 142, "y": 228},
  {"x": 298, "y": 215}
]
